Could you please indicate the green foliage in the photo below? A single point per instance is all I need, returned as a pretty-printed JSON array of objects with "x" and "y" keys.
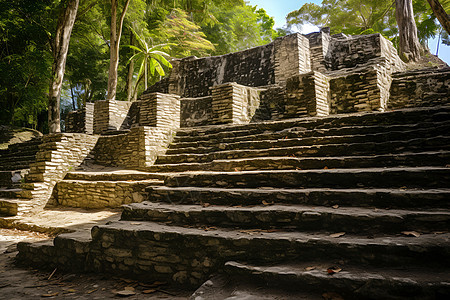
[
  {"x": 88, "y": 58},
  {"x": 185, "y": 37},
  {"x": 445, "y": 38},
  {"x": 371, "y": 16},
  {"x": 349, "y": 16},
  {"x": 239, "y": 27},
  {"x": 25, "y": 61}
]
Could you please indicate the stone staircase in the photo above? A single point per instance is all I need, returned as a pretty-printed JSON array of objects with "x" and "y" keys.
[
  {"x": 15, "y": 163},
  {"x": 19, "y": 156},
  {"x": 352, "y": 204},
  {"x": 103, "y": 189}
]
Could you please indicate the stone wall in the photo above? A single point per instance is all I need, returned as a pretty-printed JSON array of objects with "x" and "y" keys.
[
  {"x": 420, "y": 88},
  {"x": 233, "y": 103},
  {"x": 272, "y": 104},
  {"x": 82, "y": 120},
  {"x": 75, "y": 121},
  {"x": 361, "y": 89},
  {"x": 359, "y": 50},
  {"x": 292, "y": 57},
  {"x": 159, "y": 110},
  {"x": 192, "y": 77},
  {"x": 58, "y": 154},
  {"x": 307, "y": 95},
  {"x": 319, "y": 46},
  {"x": 136, "y": 149},
  {"x": 196, "y": 111},
  {"x": 259, "y": 66},
  {"x": 98, "y": 194},
  {"x": 109, "y": 115},
  {"x": 89, "y": 118}
]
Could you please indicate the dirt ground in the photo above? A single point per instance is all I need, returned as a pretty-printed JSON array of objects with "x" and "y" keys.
[{"x": 27, "y": 283}]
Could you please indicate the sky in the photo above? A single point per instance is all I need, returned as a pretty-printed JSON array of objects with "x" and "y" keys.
[{"x": 278, "y": 9}]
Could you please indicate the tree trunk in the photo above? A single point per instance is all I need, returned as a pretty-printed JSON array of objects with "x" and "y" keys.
[
  {"x": 116, "y": 33},
  {"x": 409, "y": 46},
  {"x": 60, "y": 46},
  {"x": 130, "y": 72},
  {"x": 440, "y": 14}
]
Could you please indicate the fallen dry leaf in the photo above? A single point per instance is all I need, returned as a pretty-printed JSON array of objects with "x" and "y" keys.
[
  {"x": 91, "y": 291},
  {"x": 135, "y": 223},
  {"x": 310, "y": 268},
  {"x": 325, "y": 168},
  {"x": 333, "y": 270},
  {"x": 336, "y": 235},
  {"x": 50, "y": 294},
  {"x": 335, "y": 206},
  {"x": 125, "y": 293},
  {"x": 129, "y": 288},
  {"x": 411, "y": 233},
  {"x": 148, "y": 291}
]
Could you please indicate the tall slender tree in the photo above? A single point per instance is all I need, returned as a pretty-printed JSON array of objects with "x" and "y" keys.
[
  {"x": 116, "y": 33},
  {"x": 60, "y": 47}
]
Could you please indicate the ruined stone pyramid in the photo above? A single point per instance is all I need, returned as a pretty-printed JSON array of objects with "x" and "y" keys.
[{"x": 314, "y": 164}]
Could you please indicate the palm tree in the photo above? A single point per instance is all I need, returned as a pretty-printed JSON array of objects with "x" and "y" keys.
[{"x": 150, "y": 58}]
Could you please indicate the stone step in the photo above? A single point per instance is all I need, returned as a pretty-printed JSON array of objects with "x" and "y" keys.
[
  {"x": 297, "y": 131},
  {"x": 120, "y": 175},
  {"x": 436, "y": 158},
  {"x": 221, "y": 286},
  {"x": 403, "y": 116},
  {"x": 14, "y": 207},
  {"x": 34, "y": 141},
  {"x": 361, "y": 221},
  {"x": 358, "y": 149},
  {"x": 130, "y": 244},
  {"x": 94, "y": 194},
  {"x": 22, "y": 154},
  {"x": 67, "y": 251},
  {"x": 352, "y": 282},
  {"x": 405, "y": 177},
  {"x": 312, "y": 137},
  {"x": 9, "y": 193},
  {"x": 369, "y": 198},
  {"x": 16, "y": 165}
]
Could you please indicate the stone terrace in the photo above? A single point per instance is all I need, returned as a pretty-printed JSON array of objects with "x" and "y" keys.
[{"x": 282, "y": 166}]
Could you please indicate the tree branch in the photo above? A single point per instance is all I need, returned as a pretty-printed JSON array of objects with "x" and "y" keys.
[{"x": 122, "y": 18}]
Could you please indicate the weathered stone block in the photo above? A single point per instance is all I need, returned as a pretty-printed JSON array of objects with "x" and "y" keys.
[
  {"x": 307, "y": 95},
  {"x": 234, "y": 103}
]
